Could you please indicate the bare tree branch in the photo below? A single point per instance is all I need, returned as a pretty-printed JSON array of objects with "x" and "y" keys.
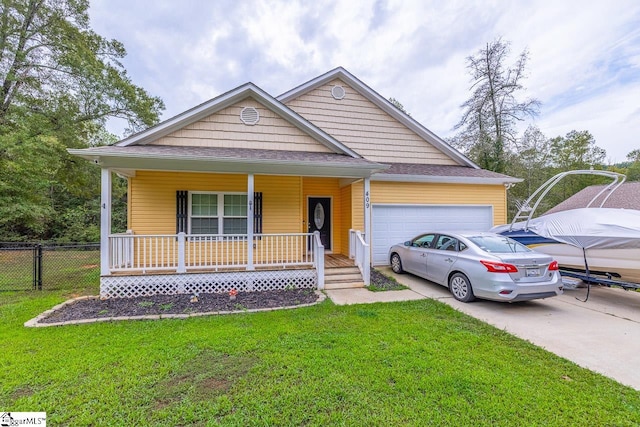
[{"x": 491, "y": 113}]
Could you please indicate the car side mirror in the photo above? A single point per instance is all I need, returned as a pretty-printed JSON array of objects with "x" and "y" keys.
[{"x": 407, "y": 243}]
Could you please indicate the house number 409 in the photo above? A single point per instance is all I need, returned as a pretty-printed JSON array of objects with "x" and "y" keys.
[{"x": 366, "y": 200}]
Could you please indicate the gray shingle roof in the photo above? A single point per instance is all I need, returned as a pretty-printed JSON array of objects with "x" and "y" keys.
[
  {"x": 304, "y": 159},
  {"x": 627, "y": 196},
  {"x": 218, "y": 153},
  {"x": 440, "y": 170}
]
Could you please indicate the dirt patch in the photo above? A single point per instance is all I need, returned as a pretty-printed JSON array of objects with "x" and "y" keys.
[
  {"x": 179, "y": 304},
  {"x": 24, "y": 391},
  {"x": 203, "y": 378}
]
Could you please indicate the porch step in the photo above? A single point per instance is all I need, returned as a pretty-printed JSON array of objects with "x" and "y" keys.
[
  {"x": 342, "y": 278},
  {"x": 343, "y": 285},
  {"x": 333, "y": 271},
  {"x": 347, "y": 277}
]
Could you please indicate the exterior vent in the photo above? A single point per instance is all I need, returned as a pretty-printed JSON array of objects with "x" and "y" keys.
[
  {"x": 338, "y": 92},
  {"x": 249, "y": 116}
]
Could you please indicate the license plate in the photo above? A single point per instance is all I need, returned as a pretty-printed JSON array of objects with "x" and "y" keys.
[{"x": 533, "y": 272}]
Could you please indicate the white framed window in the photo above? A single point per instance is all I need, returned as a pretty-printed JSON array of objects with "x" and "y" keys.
[{"x": 217, "y": 213}]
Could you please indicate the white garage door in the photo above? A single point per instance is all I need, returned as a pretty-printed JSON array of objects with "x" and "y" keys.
[{"x": 398, "y": 223}]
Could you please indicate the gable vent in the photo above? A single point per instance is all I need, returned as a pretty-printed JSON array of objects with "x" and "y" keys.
[
  {"x": 338, "y": 92},
  {"x": 249, "y": 116}
]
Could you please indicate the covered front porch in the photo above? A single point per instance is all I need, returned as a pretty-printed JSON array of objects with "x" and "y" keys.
[
  {"x": 281, "y": 248},
  {"x": 182, "y": 263}
]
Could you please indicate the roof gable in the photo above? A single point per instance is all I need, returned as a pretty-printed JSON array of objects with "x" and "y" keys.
[
  {"x": 405, "y": 137},
  {"x": 225, "y": 129},
  {"x": 187, "y": 121}
]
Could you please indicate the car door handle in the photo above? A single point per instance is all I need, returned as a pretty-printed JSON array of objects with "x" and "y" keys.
[
  {"x": 423, "y": 255},
  {"x": 448, "y": 260}
]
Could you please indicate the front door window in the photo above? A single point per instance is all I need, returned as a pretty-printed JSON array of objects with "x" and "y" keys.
[{"x": 318, "y": 216}]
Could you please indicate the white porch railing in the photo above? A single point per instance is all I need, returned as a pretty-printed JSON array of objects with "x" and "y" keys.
[
  {"x": 182, "y": 252},
  {"x": 359, "y": 250},
  {"x": 143, "y": 252},
  {"x": 120, "y": 250}
]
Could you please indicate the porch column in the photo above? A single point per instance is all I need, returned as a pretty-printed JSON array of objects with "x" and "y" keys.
[
  {"x": 367, "y": 210},
  {"x": 105, "y": 220},
  {"x": 366, "y": 274},
  {"x": 250, "y": 202}
]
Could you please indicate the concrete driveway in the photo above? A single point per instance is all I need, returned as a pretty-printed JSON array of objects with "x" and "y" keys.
[{"x": 602, "y": 334}]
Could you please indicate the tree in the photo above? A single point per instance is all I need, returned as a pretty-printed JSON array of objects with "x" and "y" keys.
[
  {"x": 51, "y": 61},
  {"x": 488, "y": 124},
  {"x": 531, "y": 161},
  {"x": 576, "y": 150},
  {"x": 59, "y": 84},
  {"x": 27, "y": 169},
  {"x": 633, "y": 171}
]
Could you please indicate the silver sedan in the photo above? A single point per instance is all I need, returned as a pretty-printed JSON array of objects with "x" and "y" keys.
[{"x": 482, "y": 265}]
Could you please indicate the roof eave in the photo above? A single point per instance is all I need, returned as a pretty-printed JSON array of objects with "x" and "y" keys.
[
  {"x": 444, "y": 179},
  {"x": 138, "y": 161}
]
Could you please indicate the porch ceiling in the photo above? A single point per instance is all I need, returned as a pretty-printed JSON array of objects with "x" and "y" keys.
[{"x": 229, "y": 160}]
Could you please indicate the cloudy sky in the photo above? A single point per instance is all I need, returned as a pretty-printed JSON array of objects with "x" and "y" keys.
[{"x": 584, "y": 55}]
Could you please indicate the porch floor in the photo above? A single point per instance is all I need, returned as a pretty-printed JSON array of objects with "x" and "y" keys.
[{"x": 337, "y": 260}]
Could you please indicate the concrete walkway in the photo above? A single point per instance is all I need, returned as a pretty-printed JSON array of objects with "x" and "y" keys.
[{"x": 602, "y": 334}]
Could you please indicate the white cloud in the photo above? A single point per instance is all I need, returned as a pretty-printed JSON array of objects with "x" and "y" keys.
[
  {"x": 584, "y": 56},
  {"x": 613, "y": 119}
]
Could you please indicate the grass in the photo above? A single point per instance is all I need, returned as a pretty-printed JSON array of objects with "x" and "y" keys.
[
  {"x": 62, "y": 269},
  {"x": 166, "y": 306},
  {"x": 410, "y": 363},
  {"x": 17, "y": 269}
]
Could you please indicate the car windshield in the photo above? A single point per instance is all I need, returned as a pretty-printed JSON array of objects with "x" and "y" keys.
[{"x": 498, "y": 244}]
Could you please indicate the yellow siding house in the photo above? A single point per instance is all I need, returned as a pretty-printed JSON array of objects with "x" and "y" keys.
[{"x": 308, "y": 189}]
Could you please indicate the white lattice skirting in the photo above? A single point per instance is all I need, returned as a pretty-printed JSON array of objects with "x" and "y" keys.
[{"x": 201, "y": 283}]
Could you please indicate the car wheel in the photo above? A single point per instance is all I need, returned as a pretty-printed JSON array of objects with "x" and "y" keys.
[
  {"x": 396, "y": 264},
  {"x": 460, "y": 288}
]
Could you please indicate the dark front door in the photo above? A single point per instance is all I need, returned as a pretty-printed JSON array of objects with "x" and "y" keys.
[{"x": 319, "y": 218}]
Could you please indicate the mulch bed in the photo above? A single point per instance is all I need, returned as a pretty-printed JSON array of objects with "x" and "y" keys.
[
  {"x": 380, "y": 282},
  {"x": 179, "y": 304},
  {"x": 94, "y": 308}
]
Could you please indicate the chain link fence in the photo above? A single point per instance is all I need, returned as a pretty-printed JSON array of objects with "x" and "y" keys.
[{"x": 38, "y": 266}]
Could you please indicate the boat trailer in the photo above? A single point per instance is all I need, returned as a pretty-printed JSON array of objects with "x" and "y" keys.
[{"x": 591, "y": 279}]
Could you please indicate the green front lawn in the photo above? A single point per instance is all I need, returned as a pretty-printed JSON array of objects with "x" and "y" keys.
[{"x": 412, "y": 363}]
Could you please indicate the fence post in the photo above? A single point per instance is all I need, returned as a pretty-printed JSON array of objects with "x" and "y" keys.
[
  {"x": 38, "y": 265},
  {"x": 34, "y": 269}
]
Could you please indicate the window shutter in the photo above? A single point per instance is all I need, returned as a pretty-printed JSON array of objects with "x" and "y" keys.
[
  {"x": 181, "y": 211},
  {"x": 257, "y": 213}
]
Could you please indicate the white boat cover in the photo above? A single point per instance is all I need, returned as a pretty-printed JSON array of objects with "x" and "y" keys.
[{"x": 603, "y": 228}]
